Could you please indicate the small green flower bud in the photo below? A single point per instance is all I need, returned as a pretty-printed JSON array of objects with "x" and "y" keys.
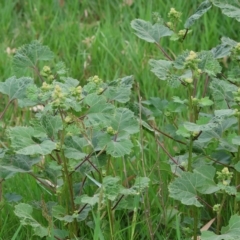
[
  {"x": 68, "y": 119},
  {"x": 46, "y": 69},
  {"x": 216, "y": 207},
  {"x": 50, "y": 77},
  {"x": 188, "y": 80}
]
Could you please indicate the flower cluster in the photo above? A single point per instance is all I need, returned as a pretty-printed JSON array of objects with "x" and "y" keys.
[
  {"x": 77, "y": 93},
  {"x": 235, "y": 53},
  {"x": 46, "y": 72},
  {"x": 111, "y": 131},
  {"x": 174, "y": 15},
  {"x": 225, "y": 176},
  {"x": 58, "y": 97},
  {"x": 191, "y": 61}
]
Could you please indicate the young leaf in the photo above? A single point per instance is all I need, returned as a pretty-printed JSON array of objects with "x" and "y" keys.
[
  {"x": 148, "y": 32},
  {"x": 28, "y": 55},
  {"x": 203, "y": 8},
  {"x": 89, "y": 200},
  {"x": 228, "y": 8},
  {"x": 230, "y": 232},
  {"x": 24, "y": 212},
  {"x": 204, "y": 102},
  {"x": 23, "y": 142}
]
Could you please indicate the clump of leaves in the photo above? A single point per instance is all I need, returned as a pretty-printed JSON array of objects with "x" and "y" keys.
[
  {"x": 71, "y": 140},
  {"x": 203, "y": 121}
]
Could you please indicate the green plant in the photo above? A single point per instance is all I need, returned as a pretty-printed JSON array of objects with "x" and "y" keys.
[
  {"x": 73, "y": 138},
  {"x": 202, "y": 122}
]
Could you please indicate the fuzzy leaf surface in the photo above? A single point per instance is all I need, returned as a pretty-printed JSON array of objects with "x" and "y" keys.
[
  {"x": 229, "y": 8},
  {"x": 100, "y": 112},
  {"x": 24, "y": 212},
  {"x": 230, "y": 232},
  {"x": 186, "y": 187},
  {"x": 28, "y": 55},
  {"x": 74, "y": 147},
  {"x": 24, "y": 141},
  {"x": 148, "y": 32},
  {"x": 119, "y": 90},
  {"x": 203, "y": 8},
  {"x": 160, "y": 68},
  {"x": 15, "y": 88}
]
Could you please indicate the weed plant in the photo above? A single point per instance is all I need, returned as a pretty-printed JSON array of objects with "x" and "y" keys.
[{"x": 86, "y": 158}]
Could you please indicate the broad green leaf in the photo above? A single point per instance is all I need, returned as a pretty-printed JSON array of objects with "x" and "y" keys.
[
  {"x": 119, "y": 148},
  {"x": 160, "y": 68},
  {"x": 23, "y": 141},
  {"x": 140, "y": 184},
  {"x": 204, "y": 102},
  {"x": 236, "y": 140},
  {"x": 207, "y": 172},
  {"x": 111, "y": 187},
  {"x": 203, "y": 8},
  {"x": 229, "y": 8},
  {"x": 24, "y": 212},
  {"x": 100, "y": 112},
  {"x": 230, "y": 232},
  {"x": 124, "y": 121},
  {"x": 119, "y": 90},
  {"x": 51, "y": 124},
  {"x": 224, "y": 49},
  {"x": 224, "y": 112},
  {"x": 29, "y": 55},
  {"x": 184, "y": 188},
  {"x": 237, "y": 166},
  {"x": 182, "y": 131},
  {"x": 19, "y": 163},
  {"x": 74, "y": 147},
  {"x": 222, "y": 93},
  {"x": 193, "y": 127},
  {"x": 13, "y": 197},
  {"x": 148, "y": 32},
  {"x": 208, "y": 63},
  {"x": 180, "y": 60},
  {"x": 89, "y": 200},
  {"x": 16, "y": 88}
]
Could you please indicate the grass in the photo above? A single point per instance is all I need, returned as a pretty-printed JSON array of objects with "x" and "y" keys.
[{"x": 95, "y": 37}]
